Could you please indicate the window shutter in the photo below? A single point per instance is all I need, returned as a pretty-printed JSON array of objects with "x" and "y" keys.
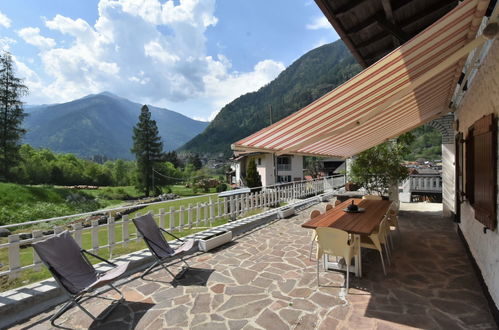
[
  {"x": 460, "y": 191},
  {"x": 469, "y": 167},
  {"x": 484, "y": 150}
]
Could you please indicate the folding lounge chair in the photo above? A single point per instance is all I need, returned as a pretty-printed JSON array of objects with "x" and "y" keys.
[
  {"x": 158, "y": 245},
  {"x": 75, "y": 274}
]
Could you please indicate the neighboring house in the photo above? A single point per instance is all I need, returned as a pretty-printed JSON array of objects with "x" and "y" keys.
[
  {"x": 286, "y": 168},
  {"x": 332, "y": 166}
]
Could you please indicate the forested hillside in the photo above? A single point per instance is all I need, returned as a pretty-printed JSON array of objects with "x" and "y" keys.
[
  {"x": 427, "y": 144},
  {"x": 308, "y": 78}
]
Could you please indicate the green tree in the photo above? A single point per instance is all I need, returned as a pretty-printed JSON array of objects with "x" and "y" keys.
[
  {"x": 147, "y": 147},
  {"x": 196, "y": 161},
  {"x": 11, "y": 116},
  {"x": 378, "y": 168},
  {"x": 253, "y": 178}
]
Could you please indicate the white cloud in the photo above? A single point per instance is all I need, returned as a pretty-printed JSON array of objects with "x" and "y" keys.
[
  {"x": 5, "y": 43},
  {"x": 318, "y": 23},
  {"x": 4, "y": 20},
  {"x": 32, "y": 36},
  {"x": 148, "y": 52}
]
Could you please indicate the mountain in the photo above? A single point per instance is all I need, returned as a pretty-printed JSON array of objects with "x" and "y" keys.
[
  {"x": 101, "y": 124},
  {"x": 308, "y": 78}
]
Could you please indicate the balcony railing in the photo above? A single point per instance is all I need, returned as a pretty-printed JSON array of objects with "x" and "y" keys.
[
  {"x": 431, "y": 183},
  {"x": 283, "y": 167},
  {"x": 110, "y": 234}
]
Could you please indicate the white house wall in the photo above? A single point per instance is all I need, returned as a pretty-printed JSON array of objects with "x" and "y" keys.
[
  {"x": 481, "y": 99},
  {"x": 296, "y": 168}
]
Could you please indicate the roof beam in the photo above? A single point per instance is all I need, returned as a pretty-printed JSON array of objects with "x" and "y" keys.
[
  {"x": 372, "y": 20},
  {"x": 449, "y": 61},
  {"x": 351, "y": 4},
  {"x": 391, "y": 28},
  {"x": 387, "y": 7},
  {"x": 326, "y": 9}
]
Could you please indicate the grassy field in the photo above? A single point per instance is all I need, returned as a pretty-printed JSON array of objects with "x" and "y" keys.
[
  {"x": 22, "y": 203},
  {"x": 26, "y": 254}
]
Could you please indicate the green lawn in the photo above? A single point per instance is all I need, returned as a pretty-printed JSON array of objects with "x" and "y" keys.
[{"x": 32, "y": 275}]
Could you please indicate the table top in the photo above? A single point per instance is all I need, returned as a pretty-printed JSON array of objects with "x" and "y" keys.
[{"x": 355, "y": 223}]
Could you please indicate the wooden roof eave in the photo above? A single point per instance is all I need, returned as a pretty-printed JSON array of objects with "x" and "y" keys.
[{"x": 341, "y": 32}]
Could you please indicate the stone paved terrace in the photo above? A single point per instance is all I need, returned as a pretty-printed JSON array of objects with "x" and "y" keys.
[{"x": 265, "y": 280}]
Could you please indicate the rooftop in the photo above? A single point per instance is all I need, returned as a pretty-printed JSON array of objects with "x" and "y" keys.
[{"x": 264, "y": 279}]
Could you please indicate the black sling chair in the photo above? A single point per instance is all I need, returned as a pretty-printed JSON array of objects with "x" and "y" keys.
[
  {"x": 158, "y": 245},
  {"x": 75, "y": 274}
]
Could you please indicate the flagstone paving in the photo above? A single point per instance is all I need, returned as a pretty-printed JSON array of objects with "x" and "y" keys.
[{"x": 264, "y": 280}]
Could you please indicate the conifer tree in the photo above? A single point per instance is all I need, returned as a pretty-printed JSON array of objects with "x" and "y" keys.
[
  {"x": 253, "y": 178},
  {"x": 148, "y": 149},
  {"x": 11, "y": 116}
]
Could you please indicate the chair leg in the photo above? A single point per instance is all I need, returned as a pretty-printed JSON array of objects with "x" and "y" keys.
[
  {"x": 185, "y": 262},
  {"x": 155, "y": 264},
  {"x": 318, "y": 272},
  {"x": 311, "y": 247},
  {"x": 382, "y": 262},
  {"x": 63, "y": 309},
  {"x": 348, "y": 275}
]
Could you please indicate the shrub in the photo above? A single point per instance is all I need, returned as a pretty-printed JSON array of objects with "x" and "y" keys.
[{"x": 221, "y": 187}]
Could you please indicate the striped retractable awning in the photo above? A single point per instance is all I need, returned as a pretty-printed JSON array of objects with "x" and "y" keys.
[{"x": 408, "y": 87}]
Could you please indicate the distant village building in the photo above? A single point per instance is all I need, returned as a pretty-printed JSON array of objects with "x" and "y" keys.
[{"x": 272, "y": 169}]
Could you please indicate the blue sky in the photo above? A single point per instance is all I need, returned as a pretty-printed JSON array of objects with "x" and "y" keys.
[{"x": 191, "y": 56}]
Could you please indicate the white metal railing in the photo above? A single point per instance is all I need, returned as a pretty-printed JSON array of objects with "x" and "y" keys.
[
  {"x": 425, "y": 183},
  {"x": 122, "y": 233}
]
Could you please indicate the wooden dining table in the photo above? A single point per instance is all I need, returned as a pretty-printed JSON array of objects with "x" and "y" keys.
[{"x": 362, "y": 223}]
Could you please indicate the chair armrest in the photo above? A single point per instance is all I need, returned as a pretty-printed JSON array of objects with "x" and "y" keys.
[
  {"x": 167, "y": 232},
  {"x": 100, "y": 258}
]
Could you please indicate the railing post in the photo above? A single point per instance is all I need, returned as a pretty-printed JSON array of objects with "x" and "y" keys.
[
  {"x": 77, "y": 227},
  {"x": 37, "y": 234},
  {"x": 126, "y": 233},
  {"x": 231, "y": 207},
  {"x": 212, "y": 210},
  {"x": 111, "y": 234},
  {"x": 181, "y": 217},
  {"x": 14, "y": 256},
  {"x": 95, "y": 235},
  {"x": 162, "y": 218},
  {"x": 189, "y": 215},
  {"x": 172, "y": 218}
]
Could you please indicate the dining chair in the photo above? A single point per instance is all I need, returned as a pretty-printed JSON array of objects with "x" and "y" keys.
[
  {"x": 336, "y": 242},
  {"x": 372, "y": 197},
  {"x": 393, "y": 219},
  {"x": 329, "y": 207},
  {"x": 313, "y": 214},
  {"x": 376, "y": 241}
]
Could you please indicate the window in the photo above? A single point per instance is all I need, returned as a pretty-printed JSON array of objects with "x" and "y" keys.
[
  {"x": 259, "y": 161},
  {"x": 481, "y": 152},
  {"x": 284, "y": 163},
  {"x": 283, "y": 178}
]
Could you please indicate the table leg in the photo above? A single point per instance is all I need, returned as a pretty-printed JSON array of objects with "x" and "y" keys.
[{"x": 358, "y": 263}]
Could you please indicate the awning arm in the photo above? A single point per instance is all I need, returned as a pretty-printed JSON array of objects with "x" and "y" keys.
[{"x": 489, "y": 33}]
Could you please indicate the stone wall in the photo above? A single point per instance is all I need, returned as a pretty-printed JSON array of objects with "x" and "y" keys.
[{"x": 481, "y": 99}]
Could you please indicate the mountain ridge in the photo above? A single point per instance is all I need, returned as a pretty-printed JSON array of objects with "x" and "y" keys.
[
  {"x": 305, "y": 80},
  {"x": 101, "y": 124}
]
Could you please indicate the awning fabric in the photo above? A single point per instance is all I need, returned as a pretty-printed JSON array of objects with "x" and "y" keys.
[{"x": 381, "y": 95}]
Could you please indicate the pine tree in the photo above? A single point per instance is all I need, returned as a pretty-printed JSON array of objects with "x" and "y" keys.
[
  {"x": 148, "y": 149},
  {"x": 253, "y": 178},
  {"x": 11, "y": 116}
]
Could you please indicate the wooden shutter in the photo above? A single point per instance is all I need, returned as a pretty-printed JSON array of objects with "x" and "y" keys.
[
  {"x": 470, "y": 185},
  {"x": 484, "y": 150}
]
